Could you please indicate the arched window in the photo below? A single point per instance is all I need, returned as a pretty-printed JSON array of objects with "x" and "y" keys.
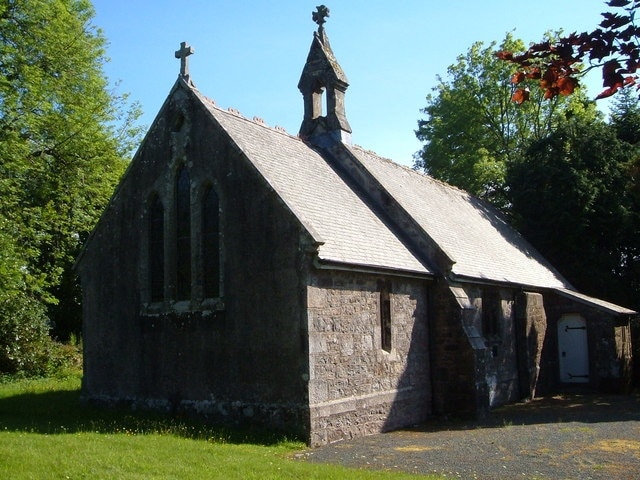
[
  {"x": 183, "y": 235},
  {"x": 211, "y": 244},
  {"x": 318, "y": 100},
  {"x": 156, "y": 249}
]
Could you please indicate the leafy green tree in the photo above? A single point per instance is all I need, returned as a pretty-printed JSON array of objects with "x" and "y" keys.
[
  {"x": 571, "y": 198},
  {"x": 64, "y": 137},
  {"x": 24, "y": 332},
  {"x": 625, "y": 116},
  {"x": 473, "y": 130},
  {"x": 625, "y": 119}
]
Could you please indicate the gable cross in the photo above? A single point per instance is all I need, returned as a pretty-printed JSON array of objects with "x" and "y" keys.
[
  {"x": 320, "y": 15},
  {"x": 182, "y": 54}
]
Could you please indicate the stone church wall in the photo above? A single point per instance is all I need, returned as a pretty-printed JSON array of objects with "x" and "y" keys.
[
  {"x": 531, "y": 330},
  {"x": 474, "y": 342},
  {"x": 356, "y": 387},
  {"x": 240, "y": 357},
  {"x": 456, "y": 353},
  {"x": 494, "y": 319}
]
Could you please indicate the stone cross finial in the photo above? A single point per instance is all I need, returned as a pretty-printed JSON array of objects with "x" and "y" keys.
[
  {"x": 320, "y": 15},
  {"x": 182, "y": 54}
]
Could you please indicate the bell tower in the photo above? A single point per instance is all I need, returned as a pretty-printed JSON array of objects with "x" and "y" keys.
[{"x": 323, "y": 82}]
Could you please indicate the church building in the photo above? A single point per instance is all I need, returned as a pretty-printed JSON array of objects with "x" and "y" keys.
[{"x": 304, "y": 283}]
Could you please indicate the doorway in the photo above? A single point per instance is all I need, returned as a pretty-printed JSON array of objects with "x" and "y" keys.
[{"x": 573, "y": 349}]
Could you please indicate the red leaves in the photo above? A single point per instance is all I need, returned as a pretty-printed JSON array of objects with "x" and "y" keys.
[
  {"x": 520, "y": 95},
  {"x": 611, "y": 76},
  {"x": 557, "y": 79},
  {"x": 613, "y": 20},
  {"x": 502, "y": 55},
  {"x": 566, "y": 85},
  {"x": 549, "y": 79},
  {"x": 518, "y": 77},
  {"x": 615, "y": 82},
  {"x": 607, "y": 92},
  {"x": 613, "y": 44}
]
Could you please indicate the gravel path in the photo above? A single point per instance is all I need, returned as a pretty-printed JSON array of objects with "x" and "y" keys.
[{"x": 563, "y": 437}]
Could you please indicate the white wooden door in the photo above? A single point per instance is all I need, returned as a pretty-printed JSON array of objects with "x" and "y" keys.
[{"x": 573, "y": 349}]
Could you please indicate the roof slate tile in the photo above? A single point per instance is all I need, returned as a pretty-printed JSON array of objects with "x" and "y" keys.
[
  {"x": 470, "y": 231},
  {"x": 351, "y": 233}
]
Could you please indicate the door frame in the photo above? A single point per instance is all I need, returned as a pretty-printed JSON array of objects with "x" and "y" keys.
[{"x": 573, "y": 349}]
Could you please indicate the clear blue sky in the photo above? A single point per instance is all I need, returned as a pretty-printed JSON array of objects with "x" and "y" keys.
[{"x": 249, "y": 54}]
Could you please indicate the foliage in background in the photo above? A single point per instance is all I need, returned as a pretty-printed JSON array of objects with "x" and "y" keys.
[
  {"x": 565, "y": 177},
  {"x": 558, "y": 65},
  {"x": 571, "y": 198},
  {"x": 61, "y": 155},
  {"x": 472, "y": 131}
]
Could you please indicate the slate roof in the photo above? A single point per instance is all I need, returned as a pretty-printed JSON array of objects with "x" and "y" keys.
[
  {"x": 469, "y": 231},
  {"x": 332, "y": 213},
  {"x": 472, "y": 234},
  {"x": 607, "y": 306}
]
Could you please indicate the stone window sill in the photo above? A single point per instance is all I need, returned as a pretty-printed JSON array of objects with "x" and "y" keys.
[{"x": 186, "y": 306}]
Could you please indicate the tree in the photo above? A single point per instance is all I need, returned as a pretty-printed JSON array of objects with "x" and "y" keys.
[
  {"x": 61, "y": 153},
  {"x": 625, "y": 117},
  {"x": 24, "y": 332},
  {"x": 625, "y": 120},
  {"x": 571, "y": 199},
  {"x": 558, "y": 65},
  {"x": 473, "y": 131}
]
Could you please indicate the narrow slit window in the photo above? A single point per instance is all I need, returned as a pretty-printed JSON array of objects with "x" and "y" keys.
[
  {"x": 156, "y": 250},
  {"x": 491, "y": 321},
  {"x": 183, "y": 235},
  {"x": 211, "y": 244},
  {"x": 490, "y": 314},
  {"x": 385, "y": 316}
]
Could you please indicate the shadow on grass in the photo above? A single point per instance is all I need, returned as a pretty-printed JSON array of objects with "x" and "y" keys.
[
  {"x": 63, "y": 412},
  {"x": 583, "y": 408}
]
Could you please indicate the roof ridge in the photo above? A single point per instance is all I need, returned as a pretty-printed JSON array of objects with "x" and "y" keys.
[{"x": 255, "y": 119}]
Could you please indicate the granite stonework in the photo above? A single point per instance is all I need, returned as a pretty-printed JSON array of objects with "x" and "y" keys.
[
  {"x": 245, "y": 348},
  {"x": 531, "y": 328},
  {"x": 355, "y": 386},
  {"x": 476, "y": 369}
]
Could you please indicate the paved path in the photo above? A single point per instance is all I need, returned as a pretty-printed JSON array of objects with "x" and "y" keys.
[{"x": 563, "y": 437}]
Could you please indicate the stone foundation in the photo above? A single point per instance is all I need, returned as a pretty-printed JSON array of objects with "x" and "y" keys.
[{"x": 288, "y": 419}]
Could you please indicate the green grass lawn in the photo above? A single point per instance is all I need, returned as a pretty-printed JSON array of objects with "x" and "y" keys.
[{"x": 45, "y": 432}]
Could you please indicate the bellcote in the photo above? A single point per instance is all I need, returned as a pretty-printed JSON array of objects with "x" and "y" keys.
[{"x": 322, "y": 74}]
